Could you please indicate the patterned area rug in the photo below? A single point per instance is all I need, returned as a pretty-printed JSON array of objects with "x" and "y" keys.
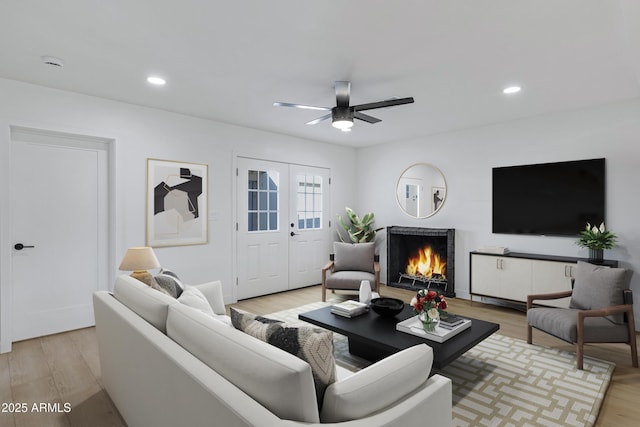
[{"x": 507, "y": 382}]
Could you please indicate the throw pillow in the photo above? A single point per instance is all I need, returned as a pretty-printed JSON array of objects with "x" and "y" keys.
[
  {"x": 169, "y": 280},
  {"x": 354, "y": 256},
  {"x": 313, "y": 345},
  {"x": 193, "y": 297},
  {"x": 599, "y": 287}
]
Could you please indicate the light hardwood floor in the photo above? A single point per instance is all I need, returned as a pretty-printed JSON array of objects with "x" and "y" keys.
[{"x": 64, "y": 368}]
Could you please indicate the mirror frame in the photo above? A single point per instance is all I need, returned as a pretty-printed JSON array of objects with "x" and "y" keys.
[{"x": 400, "y": 191}]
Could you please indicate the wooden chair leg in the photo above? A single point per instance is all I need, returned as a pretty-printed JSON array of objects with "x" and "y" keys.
[
  {"x": 579, "y": 355},
  {"x": 529, "y": 334},
  {"x": 632, "y": 338},
  {"x": 324, "y": 293}
]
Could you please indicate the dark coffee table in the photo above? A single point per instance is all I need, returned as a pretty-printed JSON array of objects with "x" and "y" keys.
[{"x": 373, "y": 337}]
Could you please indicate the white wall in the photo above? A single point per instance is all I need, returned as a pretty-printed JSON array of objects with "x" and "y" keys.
[
  {"x": 466, "y": 158},
  {"x": 140, "y": 133}
]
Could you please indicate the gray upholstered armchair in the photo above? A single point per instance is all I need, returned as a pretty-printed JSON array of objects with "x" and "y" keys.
[
  {"x": 601, "y": 311},
  {"x": 351, "y": 264}
]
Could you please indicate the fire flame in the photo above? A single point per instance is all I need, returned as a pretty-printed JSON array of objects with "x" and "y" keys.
[{"x": 426, "y": 263}]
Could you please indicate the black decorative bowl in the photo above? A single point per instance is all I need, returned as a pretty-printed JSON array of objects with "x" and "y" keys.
[{"x": 387, "y": 307}]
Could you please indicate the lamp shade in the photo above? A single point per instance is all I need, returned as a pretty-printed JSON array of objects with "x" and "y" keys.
[{"x": 140, "y": 258}]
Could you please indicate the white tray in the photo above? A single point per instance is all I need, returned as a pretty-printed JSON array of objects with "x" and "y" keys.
[{"x": 413, "y": 326}]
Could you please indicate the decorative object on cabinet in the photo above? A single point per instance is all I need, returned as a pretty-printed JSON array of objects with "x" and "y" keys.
[
  {"x": 596, "y": 239},
  {"x": 421, "y": 190},
  {"x": 176, "y": 203}
]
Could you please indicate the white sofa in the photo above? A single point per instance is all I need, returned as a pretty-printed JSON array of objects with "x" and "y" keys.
[{"x": 167, "y": 364}]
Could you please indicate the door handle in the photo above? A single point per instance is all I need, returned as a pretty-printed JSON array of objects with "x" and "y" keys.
[
  {"x": 293, "y": 234},
  {"x": 20, "y": 246}
]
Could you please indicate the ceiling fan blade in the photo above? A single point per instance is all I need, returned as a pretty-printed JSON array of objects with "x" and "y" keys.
[
  {"x": 306, "y": 107},
  {"x": 383, "y": 104},
  {"x": 319, "y": 119},
  {"x": 365, "y": 118},
  {"x": 343, "y": 90}
]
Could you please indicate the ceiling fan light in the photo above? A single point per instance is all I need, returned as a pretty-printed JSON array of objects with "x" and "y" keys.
[
  {"x": 342, "y": 124},
  {"x": 341, "y": 118}
]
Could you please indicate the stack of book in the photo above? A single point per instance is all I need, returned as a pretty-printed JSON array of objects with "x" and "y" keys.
[
  {"x": 450, "y": 321},
  {"x": 350, "y": 308}
]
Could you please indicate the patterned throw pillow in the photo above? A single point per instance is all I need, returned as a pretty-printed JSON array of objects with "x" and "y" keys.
[
  {"x": 313, "y": 345},
  {"x": 170, "y": 282}
]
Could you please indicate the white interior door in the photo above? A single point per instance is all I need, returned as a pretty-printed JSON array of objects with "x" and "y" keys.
[
  {"x": 262, "y": 232},
  {"x": 59, "y": 212},
  {"x": 283, "y": 228},
  {"x": 310, "y": 236}
]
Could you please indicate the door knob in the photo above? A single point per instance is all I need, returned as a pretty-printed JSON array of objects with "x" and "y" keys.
[
  {"x": 293, "y": 234},
  {"x": 20, "y": 246}
]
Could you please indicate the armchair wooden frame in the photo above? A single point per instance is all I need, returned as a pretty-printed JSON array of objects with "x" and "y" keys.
[
  {"x": 329, "y": 266},
  {"x": 626, "y": 309}
]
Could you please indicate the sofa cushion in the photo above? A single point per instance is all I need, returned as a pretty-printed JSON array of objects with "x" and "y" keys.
[
  {"x": 353, "y": 256},
  {"x": 313, "y": 345},
  {"x": 193, "y": 297},
  {"x": 599, "y": 287},
  {"x": 277, "y": 380},
  {"x": 213, "y": 292},
  {"x": 169, "y": 284},
  {"x": 148, "y": 303},
  {"x": 378, "y": 386}
]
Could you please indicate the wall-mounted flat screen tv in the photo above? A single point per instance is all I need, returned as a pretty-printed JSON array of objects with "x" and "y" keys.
[{"x": 555, "y": 199}]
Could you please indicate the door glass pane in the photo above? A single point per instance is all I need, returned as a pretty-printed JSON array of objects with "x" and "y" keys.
[
  {"x": 253, "y": 221},
  {"x": 253, "y": 180},
  {"x": 262, "y": 207},
  {"x": 253, "y": 201},
  {"x": 309, "y": 201}
]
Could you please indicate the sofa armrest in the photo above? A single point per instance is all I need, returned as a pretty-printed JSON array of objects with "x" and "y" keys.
[
  {"x": 213, "y": 292},
  {"x": 378, "y": 386}
]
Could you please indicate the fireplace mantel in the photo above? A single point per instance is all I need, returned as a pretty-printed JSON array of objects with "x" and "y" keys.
[{"x": 402, "y": 241}]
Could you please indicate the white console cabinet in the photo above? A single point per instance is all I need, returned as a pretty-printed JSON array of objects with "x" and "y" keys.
[{"x": 515, "y": 275}]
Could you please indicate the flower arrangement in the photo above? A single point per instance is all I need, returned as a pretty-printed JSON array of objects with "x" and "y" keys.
[
  {"x": 430, "y": 302},
  {"x": 596, "y": 237}
]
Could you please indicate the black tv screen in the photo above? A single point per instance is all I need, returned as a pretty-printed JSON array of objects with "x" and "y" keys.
[{"x": 555, "y": 199}]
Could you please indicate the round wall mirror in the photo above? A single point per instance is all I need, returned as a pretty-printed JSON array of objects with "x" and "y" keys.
[{"x": 421, "y": 190}]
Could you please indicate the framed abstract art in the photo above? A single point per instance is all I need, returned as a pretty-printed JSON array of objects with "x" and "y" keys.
[{"x": 176, "y": 203}]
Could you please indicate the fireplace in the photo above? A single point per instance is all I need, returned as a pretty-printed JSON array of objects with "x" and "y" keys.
[{"x": 421, "y": 258}]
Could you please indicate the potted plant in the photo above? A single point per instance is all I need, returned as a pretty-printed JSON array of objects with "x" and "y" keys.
[
  {"x": 360, "y": 230},
  {"x": 596, "y": 239}
]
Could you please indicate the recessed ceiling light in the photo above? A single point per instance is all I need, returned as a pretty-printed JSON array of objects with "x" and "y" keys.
[
  {"x": 158, "y": 81},
  {"x": 512, "y": 89}
]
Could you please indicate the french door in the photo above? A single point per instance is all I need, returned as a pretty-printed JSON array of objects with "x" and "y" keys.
[{"x": 283, "y": 226}]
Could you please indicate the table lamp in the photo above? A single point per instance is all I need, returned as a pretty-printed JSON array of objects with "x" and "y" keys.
[{"x": 139, "y": 260}]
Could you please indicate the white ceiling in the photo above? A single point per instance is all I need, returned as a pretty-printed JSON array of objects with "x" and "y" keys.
[{"x": 229, "y": 61}]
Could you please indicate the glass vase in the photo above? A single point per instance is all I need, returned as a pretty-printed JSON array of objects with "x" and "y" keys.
[{"x": 428, "y": 323}]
